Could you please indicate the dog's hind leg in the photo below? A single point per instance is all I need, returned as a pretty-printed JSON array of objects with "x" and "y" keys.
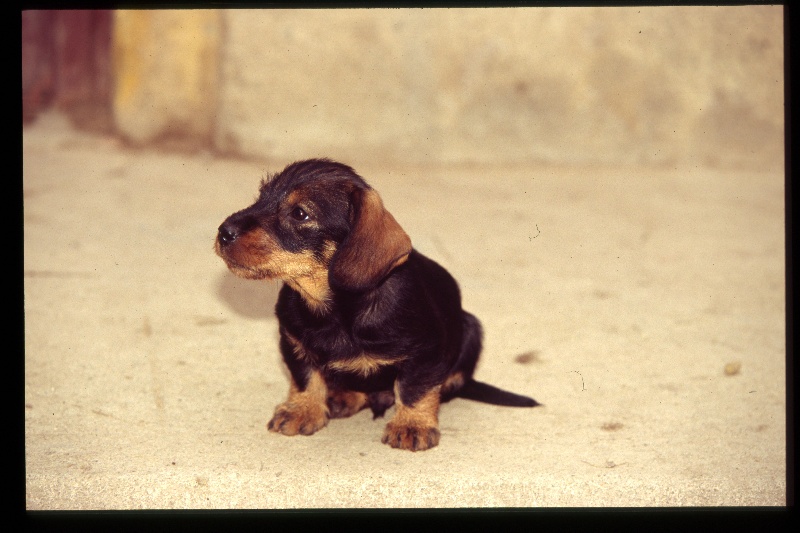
[
  {"x": 460, "y": 383},
  {"x": 471, "y": 346}
]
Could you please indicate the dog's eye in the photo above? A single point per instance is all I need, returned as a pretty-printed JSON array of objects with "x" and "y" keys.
[{"x": 298, "y": 213}]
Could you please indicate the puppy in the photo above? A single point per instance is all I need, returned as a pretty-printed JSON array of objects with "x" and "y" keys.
[{"x": 366, "y": 321}]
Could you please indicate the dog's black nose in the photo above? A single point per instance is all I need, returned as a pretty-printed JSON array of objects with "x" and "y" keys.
[{"x": 227, "y": 233}]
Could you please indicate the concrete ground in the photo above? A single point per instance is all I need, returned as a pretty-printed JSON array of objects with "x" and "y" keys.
[{"x": 644, "y": 307}]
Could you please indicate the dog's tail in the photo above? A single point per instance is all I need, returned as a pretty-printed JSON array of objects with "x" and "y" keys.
[{"x": 483, "y": 392}]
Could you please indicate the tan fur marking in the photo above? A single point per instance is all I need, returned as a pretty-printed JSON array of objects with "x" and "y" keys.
[
  {"x": 453, "y": 382},
  {"x": 364, "y": 364},
  {"x": 414, "y": 427},
  {"x": 304, "y": 412},
  {"x": 315, "y": 291},
  {"x": 314, "y": 288},
  {"x": 295, "y": 197},
  {"x": 400, "y": 261},
  {"x": 298, "y": 349},
  {"x": 316, "y": 391},
  {"x": 256, "y": 255},
  {"x": 327, "y": 252}
]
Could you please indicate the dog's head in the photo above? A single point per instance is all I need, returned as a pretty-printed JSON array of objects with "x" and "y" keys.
[{"x": 316, "y": 225}]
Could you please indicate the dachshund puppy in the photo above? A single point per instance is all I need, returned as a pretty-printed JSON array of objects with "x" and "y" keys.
[{"x": 365, "y": 319}]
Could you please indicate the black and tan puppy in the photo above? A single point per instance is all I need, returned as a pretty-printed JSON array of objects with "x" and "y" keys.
[{"x": 365, "y": 320}]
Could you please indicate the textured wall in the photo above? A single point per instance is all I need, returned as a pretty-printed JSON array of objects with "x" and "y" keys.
[
  {"x": 166, "y": 74},
  {"x": 664, "y": 85}
]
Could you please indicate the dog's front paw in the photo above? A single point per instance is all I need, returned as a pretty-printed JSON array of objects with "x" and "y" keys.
[
  {"x": 410, "y": 437},
  {"x": 292, "y": 418}
]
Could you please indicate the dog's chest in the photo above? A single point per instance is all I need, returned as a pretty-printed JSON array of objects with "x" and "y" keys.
[
  {"x": 330, "y": 342},
  {"x": 338, "y": 351}
]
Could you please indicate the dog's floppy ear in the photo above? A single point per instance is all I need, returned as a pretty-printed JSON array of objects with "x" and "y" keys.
[{"x": 376, "y": 245}]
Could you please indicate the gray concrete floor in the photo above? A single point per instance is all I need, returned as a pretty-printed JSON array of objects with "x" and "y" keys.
[{"x": 617, "y": 297}]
